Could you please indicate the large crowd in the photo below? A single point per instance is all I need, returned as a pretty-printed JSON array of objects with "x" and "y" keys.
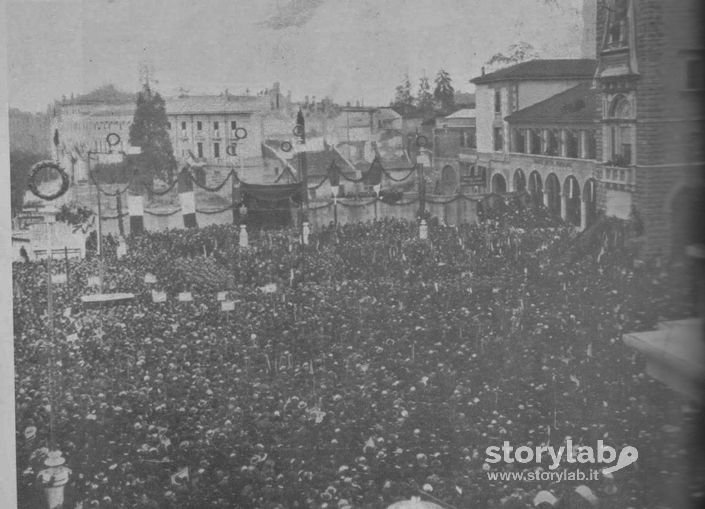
[{"x": 363, "y": 368}]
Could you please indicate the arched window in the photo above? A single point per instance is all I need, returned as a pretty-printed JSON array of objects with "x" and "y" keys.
[
  {"x": 620, "y": 108},
  {"x": 621, "y": 134}
]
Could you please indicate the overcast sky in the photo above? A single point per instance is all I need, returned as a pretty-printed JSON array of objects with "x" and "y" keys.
[{"x": 347, "y": 49}]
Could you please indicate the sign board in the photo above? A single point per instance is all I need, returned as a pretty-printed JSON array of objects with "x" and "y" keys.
[
  {"x": 227, "y": 305},
  {"x": 93, "y": 281},
  {"x": 111, "y": 158},
  {"x": 185, "y": 297},
  {"x": 188, "y": 203},
  {"x": 150, "y": 278},
  {"x": 135, "y": 206},
  {"x": 469, "y": 180},
  {"x": 158, "y": 296},
  {"x": 269, "y": 288},
  {"x": 58, "y": 279},
  {"x": 121, "y": 250},
  {"x": 222, "y": 296}
]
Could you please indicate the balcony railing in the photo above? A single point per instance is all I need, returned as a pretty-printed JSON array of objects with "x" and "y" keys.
[{"x": 621, "y": 177}]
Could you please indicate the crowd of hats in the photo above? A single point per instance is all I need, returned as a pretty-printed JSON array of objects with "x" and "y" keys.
[{"x": 378, "y": 368}]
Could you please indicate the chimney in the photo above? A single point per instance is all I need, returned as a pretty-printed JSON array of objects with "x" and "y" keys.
[{"x": 483, "y": 70}]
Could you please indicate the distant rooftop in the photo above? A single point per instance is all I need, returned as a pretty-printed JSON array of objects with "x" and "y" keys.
[
  {"x": 113, "y": 99},
  {"x": 541, "y": 69},
  {"x": 107, "y": 94},
  {"x": 464, "y": 113},
  {"x": 204, "y": 104},
  {"x": 575, "y": 105}
]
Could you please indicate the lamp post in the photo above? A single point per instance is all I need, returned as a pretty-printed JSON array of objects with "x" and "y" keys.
[
  {"x": 421, "y": 142},
  {"x": 334, "y": 191},
  {"x": 55, "y": 476}
]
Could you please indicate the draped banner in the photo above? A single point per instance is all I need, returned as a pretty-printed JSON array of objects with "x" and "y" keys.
[
  {"x": 373, "y": 177},
  {"x": 273, "y": 193},
  {"x": 188, "y": 209},
  {"x": 135, "y": 208}
]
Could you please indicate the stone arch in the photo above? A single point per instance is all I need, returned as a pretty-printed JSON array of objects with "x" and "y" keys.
[
  {"x": 686, "y": 209},
  {"x": 620, "y": 107},
  {"x": 553, "y": 191},
  {"x": 449, "y": 180},
  {"x": 499, "y": 184},
  {"x": 519, "y": 181},
  {"x": 571, "y": 192},
  {"x": 535, "y": 188},
  {"x": 590, "y": 200}
]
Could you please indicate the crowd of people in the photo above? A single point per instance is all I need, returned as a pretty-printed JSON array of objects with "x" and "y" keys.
[{"x": 361, "y": 369}]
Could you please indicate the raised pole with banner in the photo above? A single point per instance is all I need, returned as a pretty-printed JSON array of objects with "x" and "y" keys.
[
  {"x": 135, "y": 208},
  {"x": 188, "y": 209}
]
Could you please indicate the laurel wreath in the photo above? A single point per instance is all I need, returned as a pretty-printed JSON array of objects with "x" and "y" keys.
[{"x": 33, "y": 184}]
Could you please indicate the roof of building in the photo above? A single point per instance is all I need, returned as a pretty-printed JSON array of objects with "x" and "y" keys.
[
  {"x": 576, "y": 105},
  {"x": 318, "y": 162},
  {"x": 542, "y": 69},
  {"x": 214, "y": 104},
  {"x": 107, "y": 94},
  {"x": 464, "y": 113}
]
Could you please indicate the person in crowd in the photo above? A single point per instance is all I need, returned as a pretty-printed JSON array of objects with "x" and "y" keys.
[{"x": 365, "y": 368}]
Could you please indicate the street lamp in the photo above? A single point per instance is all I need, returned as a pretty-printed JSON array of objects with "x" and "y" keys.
[
  {"x": 421, "y": 158},
  {"x": 55, "y": 476}
]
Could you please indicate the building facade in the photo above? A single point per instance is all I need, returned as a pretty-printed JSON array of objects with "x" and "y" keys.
[
  {"x": 651, "y": 81},
  {"x": 455, "y": 152},
  {"x": 216, "y": 130}
]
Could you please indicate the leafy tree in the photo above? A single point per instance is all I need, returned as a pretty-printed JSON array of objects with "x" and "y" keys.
[
  {"x": 424, "y": 97},
  {"x": 403, "y": 100},
  {"x": 21, "y": 162},
  {"x": 444, "y": 94},
  {"x": 516, "y": 53},
  {"x": 149, "y": 132}
]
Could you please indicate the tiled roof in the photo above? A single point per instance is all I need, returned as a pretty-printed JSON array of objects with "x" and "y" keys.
[
  {"x": 542, "y": 70},
  {"x": 575, "y": 105},
  {"x": 214, "y": 104},
  {"x": 464, "y": 113},
  {"x": 317, "y": 163}
]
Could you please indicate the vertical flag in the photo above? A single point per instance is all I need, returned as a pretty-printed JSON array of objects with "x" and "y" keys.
[
  {"x": 188, "y": 209},
  {"x": 136, "y": 210},
  {"x": 186, "y": 198}
]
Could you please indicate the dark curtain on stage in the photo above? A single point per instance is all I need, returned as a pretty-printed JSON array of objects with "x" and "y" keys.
[{"x": 270, "y": 206}]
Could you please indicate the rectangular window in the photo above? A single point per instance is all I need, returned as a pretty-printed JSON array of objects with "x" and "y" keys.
[
  {"x": 534, "y": 142},
  {"x": 199, "y": 125},
  {"x": 519, "y": 141},
  {"x": 168, "y": 126},
  {"x": 626, "y": 153},
  {"x": 590, "y": 145},
  {"x": 572, "y": 145},
  {"x": 553, "y": 143},
  {"x": 199, "y": 149},
  {"x": 498, "y": 102},
  {"x": 183, "y": 126},
  {"x": 694, "y": 75},
  {"x": 233, "y": 125},
  {"x": 216, "y": 126},
  {"x": 498, "y": 141},
  {"x": 216, "y": 150}
]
